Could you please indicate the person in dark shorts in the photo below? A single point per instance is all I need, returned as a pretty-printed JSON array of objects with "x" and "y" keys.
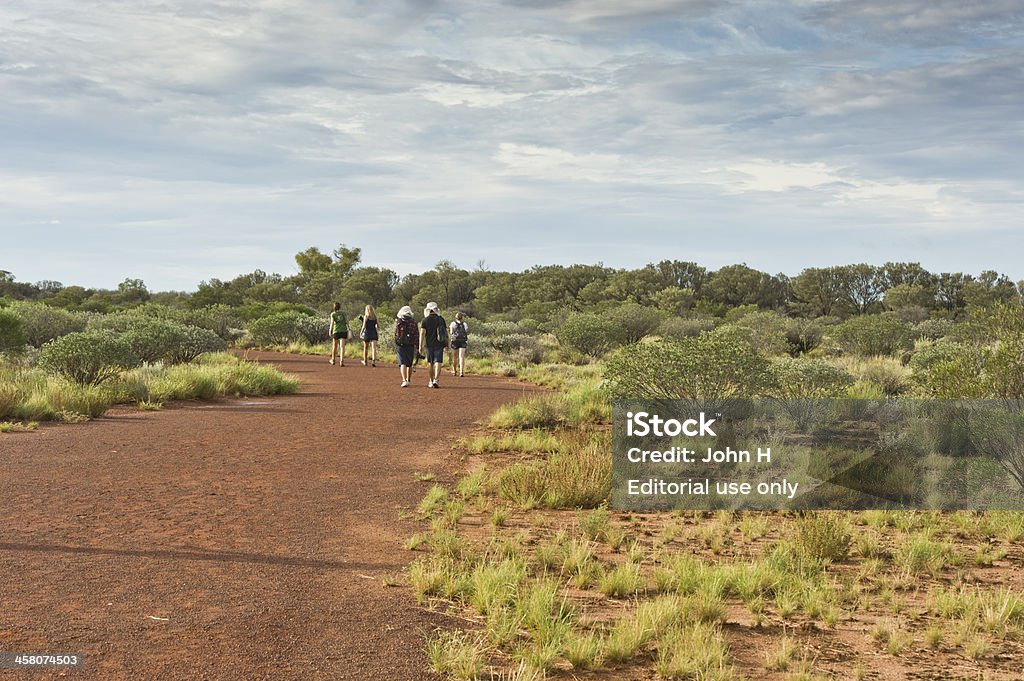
[
  {"x": 338, "y": 333},
  {"x": 459, "y": 333},
  {"x": 368, "y": 333},
  {"x": 406, "y": 340},
  {"x": 433, "y": 337}
]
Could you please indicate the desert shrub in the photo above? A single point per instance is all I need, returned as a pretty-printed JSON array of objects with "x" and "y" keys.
[
  {"x": 314, "y": 329},
  {"x": 933, "y": 329},
  {"x": 635, "y": 321},
  {"x": 869, "y": 335},
  {"x": 591, "y": 334},
  {"x": 677, "y": 328},
  {"x": 517, "y": 346},
  {"x": 153, "y": 340},
  {"x": 766, "y": 330},
  {"x": 276, "y": 329},
  {"x": 42, "y": 323},
  {"x": 87, "y": 357},
  {"x": 708, "y": 369},
  {"x": 804, "y": 387},
  {"x": 12, "y": 336},
  {"x": 803, "y": 335},
  {"x": 194, "y": 342},
  {"x": 950, "y": 370},
  {"x": 823, "y": 536},
  {"x": 223, "y": 320}
]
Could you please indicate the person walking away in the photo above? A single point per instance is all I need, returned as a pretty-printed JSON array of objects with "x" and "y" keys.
[
  {"x": 368, "y": 333},
  {"x": 433, "y": 336},
  {"x": 338, "y": 332},
  {"x": 459, "y": 333},
  {"x": 406, "y": 337}
]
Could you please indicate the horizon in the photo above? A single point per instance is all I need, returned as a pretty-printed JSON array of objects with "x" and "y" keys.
[{"x": 208, "y": 139}]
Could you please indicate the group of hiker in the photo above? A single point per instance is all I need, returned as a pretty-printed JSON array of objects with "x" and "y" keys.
[{"x": 426, "y": 340}]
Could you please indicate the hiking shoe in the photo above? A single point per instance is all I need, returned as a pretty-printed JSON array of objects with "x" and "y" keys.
[
  {"x": 434, "y": 385},
  {"x": 331, "y": 361},
  {"x": 363, "y": 362},
  {"x": 405, "y": 384}
]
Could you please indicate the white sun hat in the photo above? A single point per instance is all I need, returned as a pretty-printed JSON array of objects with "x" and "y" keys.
[
  {"x": 406, "y": 311},
  {"x": 431, "y": 307}
]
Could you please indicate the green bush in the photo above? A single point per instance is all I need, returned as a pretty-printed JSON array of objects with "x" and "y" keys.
[
  {"x": 933, "y": 329},
  {"x": 805, "y": 378},
  {"x": 803, "y": 335},
  {"x": 591, "y": 334},
  {"x": 869, "y": 335},
  {"x": 195, "y": 342},
  {"x": 634, "y": 321},
  {"x": 805, "y": 386},
  {"x": 708, "y": 368},
  {"x": 767, "y": 331},
  {"x": 88, "y": 357},
  {"x": 12, "y": 336},
  {"x": 153, "y": 340},
  {"x": 315, "y": 330},
  {"x": 42, "y": 323},
  {"x": 948, "y": 370},
  {"x": 678, "y": 328},
  {"x": 276, "y": 329}
]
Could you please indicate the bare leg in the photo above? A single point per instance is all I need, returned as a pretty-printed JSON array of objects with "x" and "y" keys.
[
  {"x": 366, "y": 352},
  {"x": 373, "y": 350},
  {"x": 341, "y": 355},
  {"x": 462, "y": 361},
  {"x": 334, "y": 349}
]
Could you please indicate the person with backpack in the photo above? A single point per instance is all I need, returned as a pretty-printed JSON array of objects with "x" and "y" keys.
[
  {"x": 406, "y": 339},
  {"x": 433, "y": 336},
  {"x": 368, "y": 333},
  {"x": 338, "y": 333},
  {"x": 459, "y": 333}
]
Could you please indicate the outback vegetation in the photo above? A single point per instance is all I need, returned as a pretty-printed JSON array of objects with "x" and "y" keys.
[{"x": 522, "y": 547}]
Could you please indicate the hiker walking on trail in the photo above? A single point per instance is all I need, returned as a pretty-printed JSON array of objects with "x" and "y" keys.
[
  {"x": 433, "y": 336},
  {"x": 459, "y": 333},
  {"x": 406, "y": 340},
  {"x": 338, "y": 332},
  {"x": 369, "y": 335}
]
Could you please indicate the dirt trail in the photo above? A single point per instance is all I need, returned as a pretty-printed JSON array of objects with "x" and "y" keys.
[{"x": 236, "y": 540}]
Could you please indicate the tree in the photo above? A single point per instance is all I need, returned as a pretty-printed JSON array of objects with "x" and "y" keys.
[
  {"x": 735, "y": 285},
  {"x": 683, "y": 274},
  {"x": 989, "y": 289},
  {"x": 312, "y": 260},
  {"x": 949, "y": 290},
  {"x": 820, "y": 291},
  {"x": 864, "y": 284}
]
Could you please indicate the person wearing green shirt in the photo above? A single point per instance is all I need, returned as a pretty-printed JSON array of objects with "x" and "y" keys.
[{"x": 339, "y": 332}]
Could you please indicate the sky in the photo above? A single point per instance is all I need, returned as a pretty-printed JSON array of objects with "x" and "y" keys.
[{"x": 180, "y": 140}]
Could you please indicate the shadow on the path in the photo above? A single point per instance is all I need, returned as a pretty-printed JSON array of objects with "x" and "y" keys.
[{"x": 215, "y": 556}]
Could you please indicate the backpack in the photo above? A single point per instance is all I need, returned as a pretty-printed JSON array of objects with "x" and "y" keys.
[
  {"x": 407, "y": 332},
  {"x": 461, "y": 333},
  {"x": 442, "y": 332}
]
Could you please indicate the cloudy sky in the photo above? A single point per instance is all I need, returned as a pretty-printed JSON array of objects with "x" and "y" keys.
[{"x": 179, "y": 140}]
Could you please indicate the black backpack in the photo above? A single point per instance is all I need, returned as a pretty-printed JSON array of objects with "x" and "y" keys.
[{"x": 461, "y": 332}]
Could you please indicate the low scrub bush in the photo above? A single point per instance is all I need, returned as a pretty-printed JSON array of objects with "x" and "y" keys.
[
  {"x": 12, "y": 336},
  {"x": 869, "y": 335},
  {"x": 591, "y": 334},
  {"x": 276, "y": 329},
  {"x": 708, "y": 369},
  {"x": 88, "y": 357},
  {"x": 195, "y": 342},
  {"x": 41, "y": 323}
]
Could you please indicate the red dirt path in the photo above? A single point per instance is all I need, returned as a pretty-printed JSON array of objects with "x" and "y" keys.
[{"x": 234, "y": 540}]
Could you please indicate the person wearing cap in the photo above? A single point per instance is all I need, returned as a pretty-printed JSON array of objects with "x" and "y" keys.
[
  {"x": 433, "y": 336},
  {"x": 406, "y": 336}
]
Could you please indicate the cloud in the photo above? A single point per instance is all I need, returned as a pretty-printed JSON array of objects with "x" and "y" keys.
[{"x": 177, "y": 127}]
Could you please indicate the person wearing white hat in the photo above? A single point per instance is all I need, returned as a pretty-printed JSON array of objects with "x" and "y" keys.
[
  {"x": 406, "y": 337},
  {"x": 433, "y": 336}
]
